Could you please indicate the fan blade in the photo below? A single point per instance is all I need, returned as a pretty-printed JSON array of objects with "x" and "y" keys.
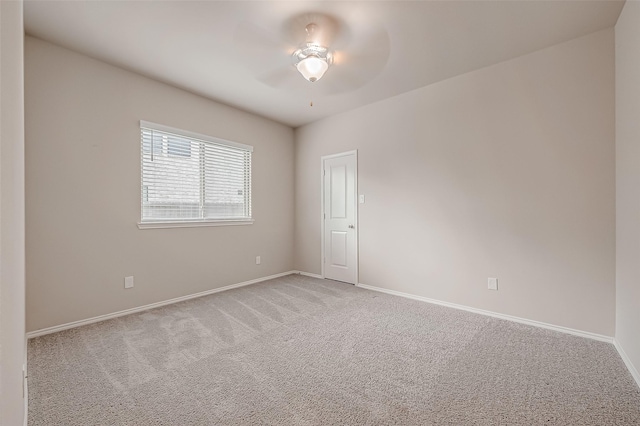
[
  {"x": 249, "y": 36},
  {"x": 278, "y": 77},
  {"x": 326, "y": 31},
  {"x": 359, "y": 65},
  {"x": 258, "y": 49}
]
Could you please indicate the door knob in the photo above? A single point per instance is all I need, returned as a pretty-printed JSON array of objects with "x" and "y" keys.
[{"x": 351, "y": 226}]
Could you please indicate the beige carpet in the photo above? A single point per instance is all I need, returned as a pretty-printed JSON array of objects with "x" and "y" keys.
[{"x": 302, "y": 351}]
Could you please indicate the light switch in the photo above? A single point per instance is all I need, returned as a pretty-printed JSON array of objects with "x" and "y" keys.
[
  {"x": 361, "y": 199},
  {"x": 492, "y": 284}
]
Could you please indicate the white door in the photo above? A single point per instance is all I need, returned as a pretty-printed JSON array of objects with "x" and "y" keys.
[{"x": 339, "y": 216}]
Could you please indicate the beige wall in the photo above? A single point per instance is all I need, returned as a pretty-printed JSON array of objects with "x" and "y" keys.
[
  {"x": 507, "y": 171},
  {"x": 12, "y": 263},
  {"x": 628, "y": 182},
  {"x": 83, "y": 192}
]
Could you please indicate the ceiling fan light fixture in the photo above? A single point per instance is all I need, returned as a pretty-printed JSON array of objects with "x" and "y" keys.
[
  {"x": 312, "y": 61},
  {"x": 312, "y": 68}
]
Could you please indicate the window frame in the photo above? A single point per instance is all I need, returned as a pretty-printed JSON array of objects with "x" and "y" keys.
[{"x": 189, "y": 223}]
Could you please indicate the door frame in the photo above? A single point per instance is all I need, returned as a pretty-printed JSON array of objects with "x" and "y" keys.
[{"x": 357, "y": 230}]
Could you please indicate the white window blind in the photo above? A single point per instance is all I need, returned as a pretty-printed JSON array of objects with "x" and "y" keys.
[{"x": 188, "y": 177}]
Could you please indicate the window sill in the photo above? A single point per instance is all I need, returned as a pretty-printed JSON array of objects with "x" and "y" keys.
[{"x": 193, "y": 224}]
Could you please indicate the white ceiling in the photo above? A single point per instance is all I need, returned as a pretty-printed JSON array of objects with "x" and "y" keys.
[{"x": 201, "y": 46}]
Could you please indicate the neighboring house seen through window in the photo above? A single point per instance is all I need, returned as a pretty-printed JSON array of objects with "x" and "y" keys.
[{"x": 193, "y": 179}]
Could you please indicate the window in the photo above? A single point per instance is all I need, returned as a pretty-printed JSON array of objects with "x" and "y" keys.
[{"x": 193, "y": 180}]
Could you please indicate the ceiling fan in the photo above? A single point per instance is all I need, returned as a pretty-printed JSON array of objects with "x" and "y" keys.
[
  {"x": 312, "y": 59},
  {"x": 317, "y": 46}
]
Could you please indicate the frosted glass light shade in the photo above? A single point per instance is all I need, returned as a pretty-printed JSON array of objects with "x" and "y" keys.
[{"x": 312, "y": 68}]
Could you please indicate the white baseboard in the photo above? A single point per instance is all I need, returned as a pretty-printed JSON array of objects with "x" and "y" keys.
[
  {"x": 99, "y": 318},
  {"x": 309, "y": 274},
  {"x": 561, "y": 329},
  {"x": 632, "y": 369}
]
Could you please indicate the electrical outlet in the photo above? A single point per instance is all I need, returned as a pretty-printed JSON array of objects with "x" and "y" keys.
[
  {"x": 258, "y": 260},
  {"x": 493, "y": 284},
  {"x": 128, "y": 282}
]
